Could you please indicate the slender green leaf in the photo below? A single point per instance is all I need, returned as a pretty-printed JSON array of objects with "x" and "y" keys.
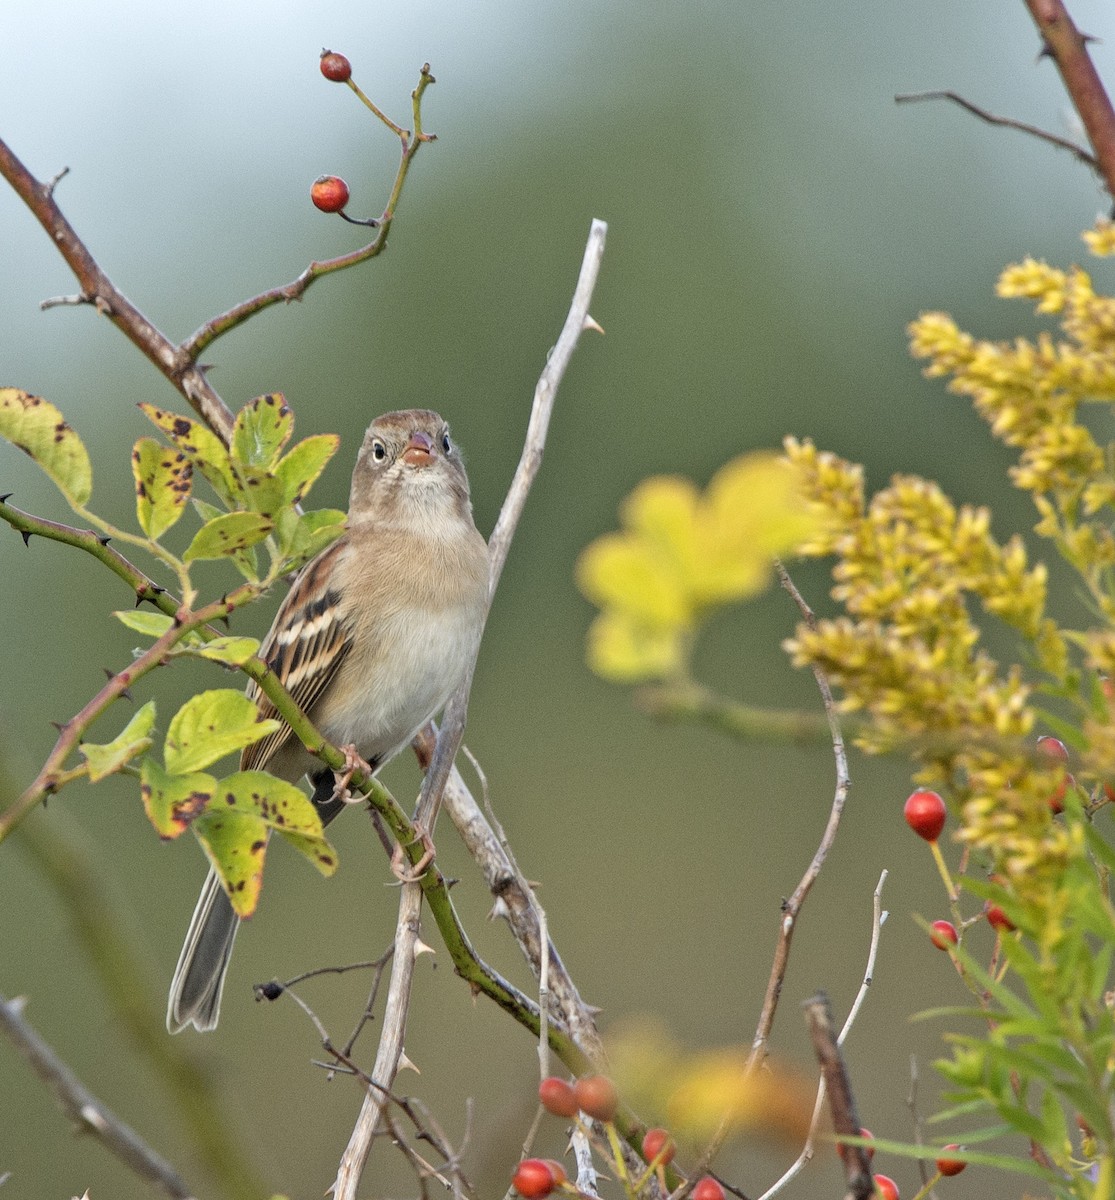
[
  {"x": 173, "y": 801},
  {"x": 263, "y": 427},
  {"x": 209, "y": 726},
  {"x": 39, "y": 430},
  {"x": 150, "y": 624},
  {"x": 228, "y": 534},
  {"x": 134, "y": 739},
  {"x": 232, "y": 651},
  {"x": 163, "y": 479},
  {"x": 301, "y": 536}
]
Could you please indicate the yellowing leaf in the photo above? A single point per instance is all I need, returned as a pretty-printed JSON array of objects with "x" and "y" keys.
[
  {"x": 279, "y": 804},
  {"x": 757, "y": 505},
  {"x": 162, "y": 478},
  {"x": 173, "y": 801},
  {"x": 228, "y": 534},
  {"x": 625, "y": 650},
  {"x": 299, "y": 470},
  {"x": 132, "y": 740},
  {"x": 317, "y": 850},
  {"x": 235, "y": 844},
  {"x": 39, "y": 430},
  {"x": 263, "y": 427},
  {"x": 631, "y": 575},
  {"x": 696, "y": 1092},
  {"x": 203, "y": 448},
  {"x": 209, "y": 726},
  {"x": 664, "y": 508}
]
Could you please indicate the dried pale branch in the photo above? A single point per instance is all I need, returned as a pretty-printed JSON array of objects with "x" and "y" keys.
[
  {"x": 806, "y": 1155},
  {"x": 88, "y": 1114},
  {"x": 389, "y": 1052}
]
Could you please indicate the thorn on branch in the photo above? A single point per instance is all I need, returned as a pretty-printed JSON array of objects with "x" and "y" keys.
[
  {"x": 26, "y": 535},
  {"x": 58, "y": 301},
  {"x": 48, "y": 188},
  {"x": 6, "y": 497},
  {"x": 103, "y": 538}
]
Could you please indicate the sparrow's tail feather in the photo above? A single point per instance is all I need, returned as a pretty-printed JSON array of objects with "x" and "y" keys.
[{"x": 199, "y": 978}]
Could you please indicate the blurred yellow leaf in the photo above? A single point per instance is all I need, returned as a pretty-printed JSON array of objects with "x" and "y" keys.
[
  {"x": 695, "y": 1093},
  {"x": 633, "y": 576},
  {"x": 625, "y": 650}
]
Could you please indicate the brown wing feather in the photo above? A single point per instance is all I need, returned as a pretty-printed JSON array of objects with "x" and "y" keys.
[{"x": 305, "y": 647}]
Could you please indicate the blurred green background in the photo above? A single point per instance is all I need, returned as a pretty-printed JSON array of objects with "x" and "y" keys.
[{"x": 775, "y": 220}]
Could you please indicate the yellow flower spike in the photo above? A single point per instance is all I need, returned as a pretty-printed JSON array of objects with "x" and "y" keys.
[
  {"x": 1035, "y": 281},
  {"x": 1101, "y": 240}
]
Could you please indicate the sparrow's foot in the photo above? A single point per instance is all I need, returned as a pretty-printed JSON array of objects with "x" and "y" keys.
[
  {"x": 353, "y": 763},
  {"x": 406, "y": 872}
]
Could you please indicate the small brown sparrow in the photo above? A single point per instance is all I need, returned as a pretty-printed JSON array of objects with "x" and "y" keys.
[{"x": 374, "y": 636}]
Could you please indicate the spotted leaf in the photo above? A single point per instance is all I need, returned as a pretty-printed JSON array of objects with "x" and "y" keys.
[
  {"x": 39, "y": 430},
  {"x": 172, "y": 801},
  {"x": 209, "y": 726},
  {"x": 225, "y": 536},
  {"x": 162, "y": 477}
]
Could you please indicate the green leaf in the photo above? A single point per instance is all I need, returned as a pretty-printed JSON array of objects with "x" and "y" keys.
[
  {"x": 232, "y": 651},
  {"x": 299, "y": 470},
  {"x": 39, "y": 430},
  {"x": 263, "y": 427},
  {"x": 132, "y": 740},
  {"x": 263, "y": 493},
  {"x": 235, "y": 844},
  {"x": 203, "y": 448},
  {"x": 173, "y": 801},
  {"x": 228, "y": 534},
  {"x": 209, "y": 726},
  {"x": 163, "y": 479},
  {"x": 150, "y": 624},
  {"x": 303, "y": 536}
]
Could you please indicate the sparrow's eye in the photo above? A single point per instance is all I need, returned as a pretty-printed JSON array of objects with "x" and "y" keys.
[
  {"x": 446, "y": 444},
  {"x": 379, "y": 450}
]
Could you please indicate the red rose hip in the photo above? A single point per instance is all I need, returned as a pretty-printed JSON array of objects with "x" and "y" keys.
[
  {"x": 556, "y": 1096},
  {"x": 708, "y": 1189},
  {"x": 533, "y": 1178},
  {"x": 925, "y": 814},
  {"x": 943, "y": 934},
  {"x": 335, "y": 66},
  {"x": 596, "y": 1097},
  {"x": 329, "y": 193},
  {"x": 951, "y": 1166},
  {"x": 656, "y": 1142}
]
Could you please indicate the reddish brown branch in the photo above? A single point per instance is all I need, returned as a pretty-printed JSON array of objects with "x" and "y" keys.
[
  {"x": 97, "y": 289},
  {"x": 179, "y": 363},
  {"x": 1068, "y": 48}
]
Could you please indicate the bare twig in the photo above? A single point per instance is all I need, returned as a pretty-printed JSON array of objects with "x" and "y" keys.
[
  {"x": 792, "y": 907},
  {"x": 499, "y": 544},
  {"x": 808, "y": 1149},
  {"x": 842, "y": 1103},
  {"x": 1068, "y": 48},
  {"x": 83, "y": 1108},
  {"x": 389, "y": 1053},
  {"x": 1044, "y": 135}
]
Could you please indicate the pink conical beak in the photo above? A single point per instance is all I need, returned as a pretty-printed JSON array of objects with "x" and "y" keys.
[{"x": 419, "y": 451}]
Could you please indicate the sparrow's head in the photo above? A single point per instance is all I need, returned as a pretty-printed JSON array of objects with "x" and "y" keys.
[{"x": 409, "y": 470}]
